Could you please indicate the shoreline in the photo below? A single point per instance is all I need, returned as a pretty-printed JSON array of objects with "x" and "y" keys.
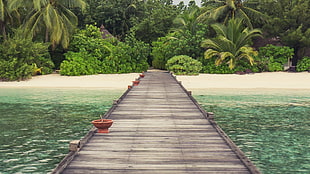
[
  {"x": 104, "y": 81},
  {"x": 259, "y": 81},
  {"x": 265, "y": 80}
]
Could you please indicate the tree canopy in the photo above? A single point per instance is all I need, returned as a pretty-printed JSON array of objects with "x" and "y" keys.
[
  {"x": 231, "y": 44},
  {"x": 162, "y": 29}
]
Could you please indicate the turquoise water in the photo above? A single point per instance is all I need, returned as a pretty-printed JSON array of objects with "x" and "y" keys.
[
  {"x": 37, "y": 125},
  {"x": 272, "y": 127}
]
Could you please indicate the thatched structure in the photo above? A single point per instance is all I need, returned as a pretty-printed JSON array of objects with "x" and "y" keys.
[{"x": 105, "y": 33}]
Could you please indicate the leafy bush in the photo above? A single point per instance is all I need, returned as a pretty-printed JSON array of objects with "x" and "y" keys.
[
  {"x": 185, "y": 43},
  {"x": 303, "y": 64},
  {"x": 80, "y": 63},
  {"x": 184, "y": 65},
  {"x": 90, "y": 54},
  {"x": 14, "y": 70},
  {"x": 20, "y": 57},
  {"x": 139, "y": 53},
  {"x": 90, "y": 40},
  {"x": 210, "y": 67},
  {"x": 275, "y": 66},
  {"x": 271, "y": 57}
]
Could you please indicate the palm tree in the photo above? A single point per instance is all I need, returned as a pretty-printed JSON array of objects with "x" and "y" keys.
[
  {"x": 187, "y": 21},
  {"x": 231, "y": 44},
  {"x": 52, "y": 16},
  {"x": 6, "y": 16},
  {"x": 223, "y": 10}
]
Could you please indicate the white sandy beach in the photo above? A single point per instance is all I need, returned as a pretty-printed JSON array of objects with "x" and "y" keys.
[
  {"x": 107, "y": 81},
  {"x": 270, "y": 80},
  {"x": 278, "y": 80}
]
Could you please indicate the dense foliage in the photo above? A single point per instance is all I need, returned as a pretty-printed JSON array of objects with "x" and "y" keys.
[
  {"x": 273, "y": 58},
  {"x": 288, "y": 20},
  {"x": 21, "y": 58},
  {"x": 184, "y": 65},
  {"x": 90, "y": 54},
  {"x": 177, "y": 44},
  {"x": 157, "y": 20},
  {"x": 231, "y": 44},
  {"x": 304, "y": 64},
  {"x": 148, "y": 33},
  {"x": 184, "y": 40}
]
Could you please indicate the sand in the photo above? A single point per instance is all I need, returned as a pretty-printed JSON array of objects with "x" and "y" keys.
[
  {"x": 268, "y": 80},
  {"x": 275, "y": 80},
  {"x": 106, "y": 81}
]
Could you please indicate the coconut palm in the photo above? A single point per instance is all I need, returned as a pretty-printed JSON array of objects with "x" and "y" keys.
[
  {"x": 54, "y": 17},
  {"x": 231, "y": 43},
  {"x": 7, "y": 16},
  {"x": 223, "y": 10},
  {"x": 187, "y": 21}
]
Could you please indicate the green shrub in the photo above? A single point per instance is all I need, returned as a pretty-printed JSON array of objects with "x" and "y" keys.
[
  {"x": 210, "y": 67},
  {"x": 275, "y": 66},
  {"x": 14, "y": 70},
  {"x": 271, "y": 56},
  {"x": 80, "y": 63},
  {"x": 90, "y": 40},
  {"x": 20, "y": 56},
  {"x": 90, "y": 54},
  {"x": 184, "y": 65},
  {"x": 303, "y": 64},
  {"x": 178, "y": 43},
  {"x": 163, "y": 49},
  {"x": 139, "y": 53}
]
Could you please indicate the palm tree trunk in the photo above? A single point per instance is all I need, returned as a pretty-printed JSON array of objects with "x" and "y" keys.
[
  {"x": 46, "y": 35},
  {"x": 3, "y": 30}
]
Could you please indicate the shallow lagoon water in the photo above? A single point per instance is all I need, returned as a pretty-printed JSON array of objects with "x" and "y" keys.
[
  {"x": 272, "y": 127},
  {"x": 37, "y": 125}
]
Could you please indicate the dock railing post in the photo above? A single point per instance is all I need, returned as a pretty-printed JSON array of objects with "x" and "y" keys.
[
  {"x": 210, "y": 115},
  {"x": 74, "y": 145}
]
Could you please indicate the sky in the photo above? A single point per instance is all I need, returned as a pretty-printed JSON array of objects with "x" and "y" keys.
[{"x": 186, "y": 1}]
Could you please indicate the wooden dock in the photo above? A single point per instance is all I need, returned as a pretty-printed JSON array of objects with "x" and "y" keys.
[{"x": 158, "y": 128}]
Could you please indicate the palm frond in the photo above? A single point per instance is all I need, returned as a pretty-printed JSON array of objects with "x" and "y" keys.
[
  {"x": 2, "y": 10},
  {"x": 231, "y": 4},
  {"x": 33, "y": 24},
  {"x": 231, "y": 63},
  {"x": 73, "y": 3},
  {"x": 220, "y": 29},
  {"x": 222, "y": 57},
  {"x": 245, "y": 17},
  {"x": 231, "y": 44},
  {"x": 216, "y": 13},
  {"x": 211, "y": 43},
  {"x": 248, "y": 53},
  {"x": 49, "y": 15},
  {"x": 38, "y": 4},
  {"x": 58, "y": 28},
  {"x": 210, "y": 53},
  {"x": 70, "y": 18},
  {"x": 254, "y": 14}
]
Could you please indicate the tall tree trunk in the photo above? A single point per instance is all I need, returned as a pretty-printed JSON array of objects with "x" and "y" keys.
[
  {"x": 46, "y": 35},
  {"x": 295, "y": 57},
  {"x": 3, "y": 30}
]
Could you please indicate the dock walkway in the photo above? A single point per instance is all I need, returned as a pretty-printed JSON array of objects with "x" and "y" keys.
[{"x": 159, "y": 128}]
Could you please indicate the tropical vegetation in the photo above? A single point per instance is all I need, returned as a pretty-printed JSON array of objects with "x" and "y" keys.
[
  {"x": 224, "y": 35},
  {"x": 304, "y": 64},
  {"x": 232, "y": 43},
  {"x": 184, "y": 65}
]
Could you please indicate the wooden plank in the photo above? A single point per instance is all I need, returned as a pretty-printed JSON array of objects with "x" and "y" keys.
[{"x": 158, "y": 128}]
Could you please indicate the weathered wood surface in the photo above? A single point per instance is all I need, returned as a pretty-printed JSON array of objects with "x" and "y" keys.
[{"x": 157, "y": 129}]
